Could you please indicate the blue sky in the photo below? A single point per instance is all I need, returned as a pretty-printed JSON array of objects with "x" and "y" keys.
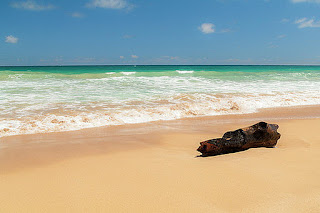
[{"x": 47, "y": 32}]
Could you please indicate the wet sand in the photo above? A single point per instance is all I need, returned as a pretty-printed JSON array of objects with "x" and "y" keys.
[{"x": 153, "y": 168}]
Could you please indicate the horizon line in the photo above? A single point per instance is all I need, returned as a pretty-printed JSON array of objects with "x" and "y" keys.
[{"x": 74, "y": 65}]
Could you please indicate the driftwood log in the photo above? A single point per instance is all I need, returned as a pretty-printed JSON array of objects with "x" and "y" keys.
[{"x": 258, "y": 135}]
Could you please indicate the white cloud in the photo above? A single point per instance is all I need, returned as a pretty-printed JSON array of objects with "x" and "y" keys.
[
  {"x": 127, "y": 36},
  {"x": 134, "y": 56},
  {"x": 108, "y": 4},
  {"x": 207, "y": 28},
  {"x": 11, "y": 39},
  {"x": 238, "y": 61},
  {"x": 272, "y": 45},
  {"x": 77, "y": 15},
  {"x": 281, "y": 36},
  {"x": 174, "y": 57},
  {"x": 121, "y": 57},
  {"x": 304, "y": 23},
  {"x": 300, "y": 1},
  {"x": 285, "y": 20},
  {"x": 298, "y": 21},
  {"x": 225, "y": 31},
  {"x": 31, "y": 5}
]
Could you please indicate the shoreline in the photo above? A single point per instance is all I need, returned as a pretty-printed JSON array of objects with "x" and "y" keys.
[
  {"x": 153, "y": 168},
  {"x": 58, "y": 146},
  {"x": 302, "y": 111}
]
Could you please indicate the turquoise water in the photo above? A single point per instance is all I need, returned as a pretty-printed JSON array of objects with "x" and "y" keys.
[
  {"x": 62, "y": 98},
  {"x": 161, "y": 68}
]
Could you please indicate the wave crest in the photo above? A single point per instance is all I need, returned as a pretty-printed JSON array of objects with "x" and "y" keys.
[
  {"x": 175, "y": 107},
  {"x": 184, "y": 71}
]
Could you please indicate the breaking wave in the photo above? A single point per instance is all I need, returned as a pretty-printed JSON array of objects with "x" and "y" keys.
[
  {"x": 69, "y": 117},
  {"x": 128, "y": 73},
  {"x": 184, "y": 71},
  {"x": 40, "y": 102}
]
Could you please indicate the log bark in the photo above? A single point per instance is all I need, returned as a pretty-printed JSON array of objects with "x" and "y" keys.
[{"x": 258, "y": 135}]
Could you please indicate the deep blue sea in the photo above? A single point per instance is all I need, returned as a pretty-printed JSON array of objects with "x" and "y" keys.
[{"x": 62, "y": 98}]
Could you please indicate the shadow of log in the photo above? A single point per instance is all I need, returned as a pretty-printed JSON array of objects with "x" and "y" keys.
[{"x": 258, "y": 135}]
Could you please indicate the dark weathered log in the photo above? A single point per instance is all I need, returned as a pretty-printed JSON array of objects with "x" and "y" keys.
[{"x": 257, "y": 135}]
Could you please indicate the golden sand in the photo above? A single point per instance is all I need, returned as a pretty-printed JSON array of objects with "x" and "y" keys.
[{"x": 154, "y": 168}]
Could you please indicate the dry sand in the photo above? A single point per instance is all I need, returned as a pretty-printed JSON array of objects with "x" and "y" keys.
[{"x": 154, "y": 168}]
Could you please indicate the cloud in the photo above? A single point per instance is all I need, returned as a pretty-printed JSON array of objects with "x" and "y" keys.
[
  {"x": 169, "y": 57},
  {"x": 272, "y": 45},
  {"x": 31, "y": 5},
  {"x": 237, "y": 61},
  {"x": 174, "y": 57},
  {"x": 11, "y": 39},
  {"x": 77, "y": 15},
  {"x": 225, "y": 31},
  {"x": 301, "y": 1},
  {"x": 134, "y": 56},
  {"x": 285, "y": 20},
  {"x": 281, "y": 36},
  {"x": 207, "y": 28},
  {"x": 304, "y": 23},
  {"x": 127, "y": 36},
  {"x": 108, "y": 4}
]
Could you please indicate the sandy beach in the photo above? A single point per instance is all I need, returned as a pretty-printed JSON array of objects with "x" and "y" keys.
[
  {"x": 127, "y": 106},
  {"x": 154, "y": 168}
]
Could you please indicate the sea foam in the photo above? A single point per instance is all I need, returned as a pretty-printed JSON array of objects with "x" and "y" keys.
[
  {"x": 128, "y": 73},
  {"x": 184, "y": 71},
  {"x": 35, "y": 102}
]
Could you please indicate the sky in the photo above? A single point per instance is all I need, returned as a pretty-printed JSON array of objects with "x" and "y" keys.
[{"x": 209, "y": 32}]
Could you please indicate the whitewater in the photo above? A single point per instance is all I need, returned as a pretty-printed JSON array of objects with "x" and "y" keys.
[{"x": 53, "y": 99}]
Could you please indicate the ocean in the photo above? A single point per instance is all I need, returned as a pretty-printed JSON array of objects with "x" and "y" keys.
[{"x": 62, "y": 98}]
